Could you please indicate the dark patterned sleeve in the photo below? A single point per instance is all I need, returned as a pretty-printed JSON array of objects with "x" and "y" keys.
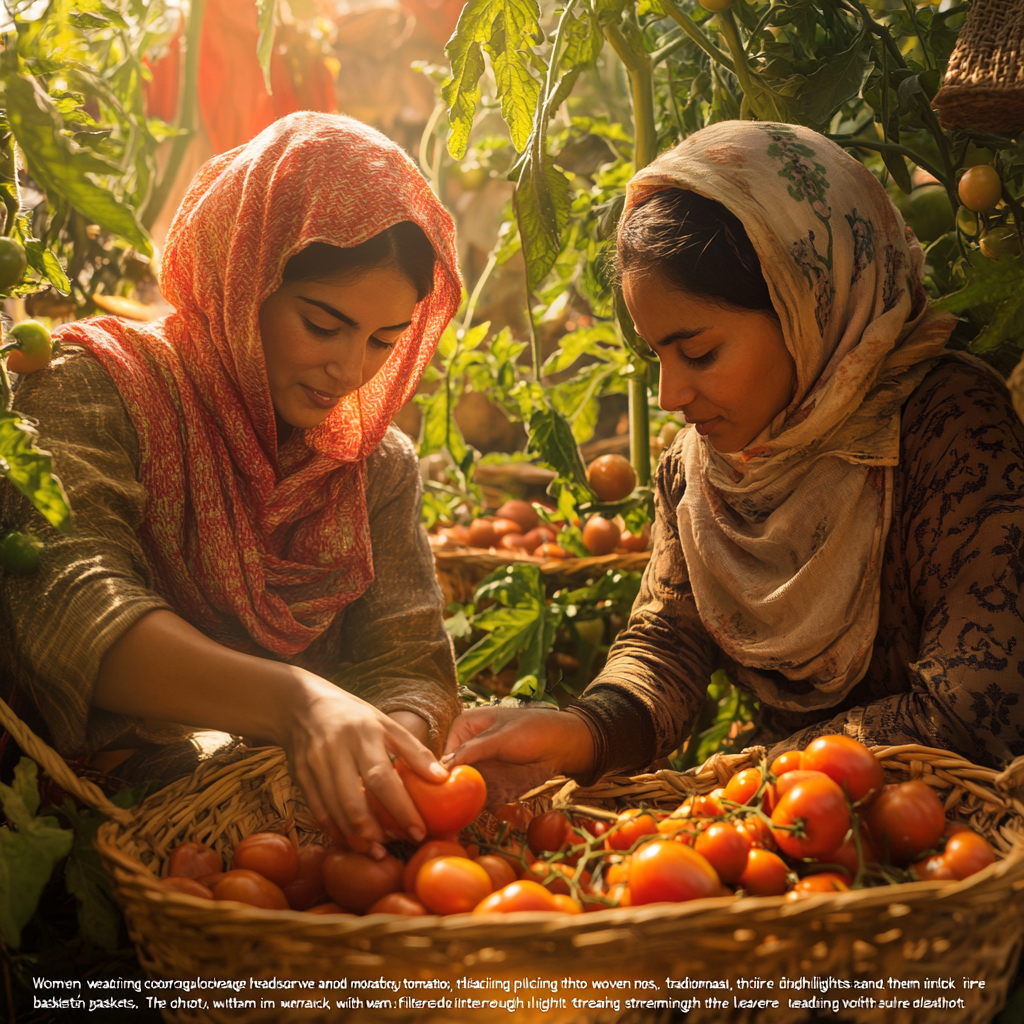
[
  {"x": 961, "y": 527},
  {"x": 398, "y": 654},
  {"x": 651, "y": 690}
]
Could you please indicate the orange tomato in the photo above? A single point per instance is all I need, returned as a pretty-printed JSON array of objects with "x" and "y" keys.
[
  {"x": 187, "y": 885},
  {"x": 725, "y": 848},
  {"x": 400, "y": 903},
  {"x": 481, "y": 533},
  {"x": 522, "y": 513},
  {"x": 933, "y": 869},
  {"x": 742, "y": 786},
  {"x": 967, "y": 852},
  {"x": 452, "y": 885},
  {"x": 632, "y": 825},
  {"x": 787, "y": 762},
  {"x": 548, "y": 832},
  {"x": 356, "y": 881},
  {"x": 194, "y": 860},
  {"x": 611, "y": 477},
  {"x": 601, "y": 536},
  {"x": 826, "y": 881},
  {"x": 766, "y": 874},
  {"x": 503, "y": 527},
  {"x": 849, "y": 764},
  {"x": 447, "y": 806},
  {"x": 665, "y": 871},
  {"x": 245, "y": 886},
  {"x": 517, "y": 897},
  {"x": 566, "y": 904},
  {"x": 498, "y": 869},
  {"x": 757, "y": 832},
  {"x": 272, "y": 855},
  {"x": 430, "y": 849},
  {"x": 818, "y": 808},
  {"x": 906, "y": 820}
]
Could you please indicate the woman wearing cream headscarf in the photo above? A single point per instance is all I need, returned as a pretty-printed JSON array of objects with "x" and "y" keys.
[{"x": 842, "y": 528}]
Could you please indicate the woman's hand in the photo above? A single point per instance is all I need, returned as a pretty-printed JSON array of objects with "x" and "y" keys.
[
  {"x": 516, "y": 749},
  {"x": 340, "y": 748}
]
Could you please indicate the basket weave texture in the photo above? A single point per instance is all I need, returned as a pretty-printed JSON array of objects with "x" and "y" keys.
[
  {"x": 460, "y": 570},
  {"x": 984, "y": 84},
  {"x": 922, "y": 930}
]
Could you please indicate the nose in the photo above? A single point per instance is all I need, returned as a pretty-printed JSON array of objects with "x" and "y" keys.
[
  {"x": 345, "y": 366},
  {"x": 675, "y": 391}
]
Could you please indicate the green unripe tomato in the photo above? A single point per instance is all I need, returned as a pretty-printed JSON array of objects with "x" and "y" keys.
[
  {"x": 35, "y": 347},
  {"x": 999, "y": 241},
  {"x": 967, "y": 221},
  {"x": 19, "y": 552},
  {"x": 980, "y": 188},
  {"x": 13, "y": 263}
]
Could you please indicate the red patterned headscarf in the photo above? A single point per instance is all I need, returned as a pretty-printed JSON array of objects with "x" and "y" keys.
[{"x": 261, "y": 547}]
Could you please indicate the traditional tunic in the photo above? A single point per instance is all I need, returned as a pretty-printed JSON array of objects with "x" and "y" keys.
[{"x": 947, "y": 665}]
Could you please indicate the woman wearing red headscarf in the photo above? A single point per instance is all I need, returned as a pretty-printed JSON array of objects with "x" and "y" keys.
[{"x": 247, "y": 555}]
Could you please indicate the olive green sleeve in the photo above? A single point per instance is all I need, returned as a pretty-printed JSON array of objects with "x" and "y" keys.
[
  {"x": 93, "y": 585},
  {"x": 399, "y": 655}
]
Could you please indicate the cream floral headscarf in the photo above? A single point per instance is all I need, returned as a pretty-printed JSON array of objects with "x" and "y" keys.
[{"x": 784, "y": 540}]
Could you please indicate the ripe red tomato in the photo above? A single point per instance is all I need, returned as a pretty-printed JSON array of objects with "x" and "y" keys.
[
  {"x": 498, "y": 869},
  {"x": 481, "y": 533},
  {"x": 541, "y": 872},
  {"x": 447, "y": 806},
  {"x": 274, "y": 856},
  {"x": 787, "y": 762},
  {"x": 522, "y": 513},
  {"x": 906, "y": 820},
  {"x": 356, "y": 881},
  {"x": 611, "y": 477},
  {"x": 616, "y": 873},
  {"x": 819, "y": 808},
  {"x": 245, "y": 886},
  {"x": 631, "y": 826},
  {"x": 566, "y": 904},
  {"x": 452, "y": 885},
  {"x": 537, "y": 536},
  {"x": 682, "y": 830},
  {"x": 502, "y": 528},
  {"x": 636, "y": 541},
  {"x": 743, "y": 785},
  {"x": 967, "y": 852},
  {"x": 194, "y": 860},
  {"x": 517, "y": 897},
  {"x": 548, "y": 832},
  {"x": 306, "y": 889},
  {"x": 663, "y": 871},
  {"x": 551, "y": 551},
  {"x": 757, "y": 832},
  {"x": 724, "y": 848},
  {"x": 826, "y": 881},
  {"x": 187, "y": 885},
  {"x": 211, "y": 880},
  {"x": 400, "y": 903},
  {"x": 846, "y": 855},
  {"x": 514, "y": 542},
  {"x": 601, "y": 536},
  {"x": 591, "y": 826},
  {"x": 849, "y": 764},
  {"x": 933, "y": 869},
  {"x": 766, "y": 874}
]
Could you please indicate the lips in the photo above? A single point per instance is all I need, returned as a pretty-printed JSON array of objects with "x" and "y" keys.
[
  {"x": 704, "y": 427},
  {"x": 321, "y": 399}
]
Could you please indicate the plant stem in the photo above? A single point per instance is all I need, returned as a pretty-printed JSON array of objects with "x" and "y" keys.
[
  {"x": 696, "y": 33},
  {"x": 5, "y": 387},
  {"x": 727, "y": 23},
  {"x": 186, "y": 120},
  {"x": 9, "y": 176},
  {"x": 492, "y": 262}
]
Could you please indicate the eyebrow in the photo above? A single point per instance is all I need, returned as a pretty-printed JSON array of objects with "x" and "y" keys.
[
  {"x": 681, "y": 335},
  {"x": 338, "y": 315}
]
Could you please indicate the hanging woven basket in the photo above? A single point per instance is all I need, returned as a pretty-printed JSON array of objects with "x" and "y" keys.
[{"x": 984, "y": 84}]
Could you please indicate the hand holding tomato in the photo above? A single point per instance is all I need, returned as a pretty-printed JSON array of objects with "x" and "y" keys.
[{"x": 516, "y": 749}]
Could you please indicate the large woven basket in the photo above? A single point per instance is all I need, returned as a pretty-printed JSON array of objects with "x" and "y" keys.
[
  {"x": 984, "y": 84},
  {"x": 970, "y": 929}
]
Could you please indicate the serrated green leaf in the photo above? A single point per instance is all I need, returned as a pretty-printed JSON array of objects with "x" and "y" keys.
[
  {"x": 61, "y": 167},
  {"x": 988, "y": 281},
  {"x": 552, "y": 440},
  {"x": 510, "y": 633},
  {"x": 541, "y": 202},
  {"x": 28, "y": 855},
  {"x": 266, "y": 18},
  {"x": 440, "y": 431},
  {"x": 31, "y": 470},
  {"x": 585, "y": 341},
  {"x": 583, "y": 41},
  {"x": 838, "y": 80},
  {"x": 475, "y": 335}
]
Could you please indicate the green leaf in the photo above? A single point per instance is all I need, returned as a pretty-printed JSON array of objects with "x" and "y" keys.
[
  {"x": 510, "y": 630},
  {"x": 541, "y": 201},
  {"x": 62, "y": 167},
  {"x": 583, "y": 41},
  {"x": 99, "y": 917},
  {"x": 590, "y": 341},
  {"x": 552, "y": 439},
  {"x": 30, "y": 470},
  {"x": 838, "y": 80},
  {"x": 266, "y": 15},
  {"x": 27, "y": 855},
  {"x": 458, "y": 625},
  {"x": 998, "y": 284}
]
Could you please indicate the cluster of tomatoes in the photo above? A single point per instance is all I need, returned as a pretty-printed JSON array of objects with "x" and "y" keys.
[
  {"x": 817, "y": 820},
  {"x": 516, "y": 527}
]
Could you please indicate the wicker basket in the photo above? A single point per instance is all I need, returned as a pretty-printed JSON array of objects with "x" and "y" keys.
[
  {"x": 923, "y": 930},
  {"x": 984, "y": 84},
  {"x": 460, "y": 569}
]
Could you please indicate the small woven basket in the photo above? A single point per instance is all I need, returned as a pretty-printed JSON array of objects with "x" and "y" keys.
[
  {"x": 969, "y": 929},
  {"x": 984, "y": 84},
  {"x": 461, "y": 569}
]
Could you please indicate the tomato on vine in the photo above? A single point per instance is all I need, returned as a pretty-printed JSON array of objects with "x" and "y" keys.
[
  {"x": 766, "y": 874},
  {"x": 611, "y": 477},
  {"x": 13, "y": 263},
  {"x": 665, "y": 871},
  {"x": 849, "y": 764},
  {"x": 980, "y": 188},
  {"x": 19, "y": 552},
  {"x": 35, "y": 347},
  {"x": 811, "y": 819}
]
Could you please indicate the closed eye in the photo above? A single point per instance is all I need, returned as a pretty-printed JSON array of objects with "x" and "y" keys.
[
  {"x": 699, "y": 362},
  {"x": 320, "y": 332}
]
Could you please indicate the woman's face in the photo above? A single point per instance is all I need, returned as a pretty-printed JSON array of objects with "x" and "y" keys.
[
  {"x": 324, "y": 339},
  {"x": 725, "y": 368}
]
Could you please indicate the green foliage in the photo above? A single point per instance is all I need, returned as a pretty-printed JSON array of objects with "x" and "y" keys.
[
  {"x": 29, "y": 469},
  {"x": 266, "y": 13},
  {"x": 998, "y": 287},
  {"x": 724, "y": 706},
  {"x": 30, "y": 847}
]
